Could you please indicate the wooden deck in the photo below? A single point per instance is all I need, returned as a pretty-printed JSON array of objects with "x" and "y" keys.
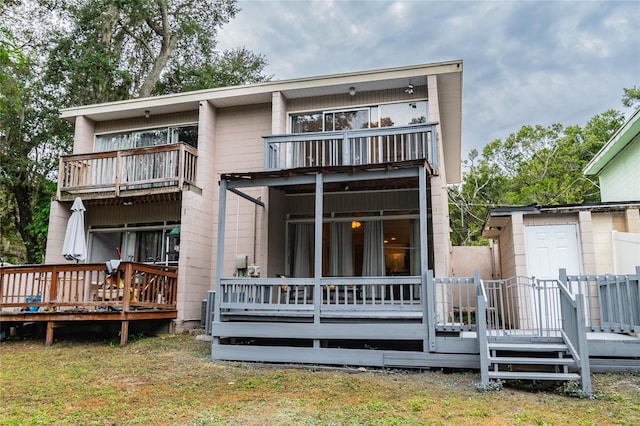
[{"x": 61, "y": 294}]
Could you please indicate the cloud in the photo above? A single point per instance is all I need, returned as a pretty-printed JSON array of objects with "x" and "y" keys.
[{"x": 525, "y": 62}]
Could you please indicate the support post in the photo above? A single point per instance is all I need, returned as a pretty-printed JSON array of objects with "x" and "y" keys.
[
  {"x": 222, "y": 209},
  {"x": 49, "y": 338},
  {"x": 124, "y": 333},
  {"x": 317, "y": 262}
]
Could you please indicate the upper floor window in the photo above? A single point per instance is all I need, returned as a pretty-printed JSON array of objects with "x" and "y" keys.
[
  {"x": 147, "y": 137},
  {"x": 386, "y": 115}
]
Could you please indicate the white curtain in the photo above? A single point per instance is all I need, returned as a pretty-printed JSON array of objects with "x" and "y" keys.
[
  {"x": 373, "y": 257},
  {"x": 303, "y": 250},
  {"x": 415, "y": 263},
  {"x": 340, "y": 250}
]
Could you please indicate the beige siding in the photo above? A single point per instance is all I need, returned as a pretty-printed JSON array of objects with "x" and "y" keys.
[
  {"x": 197, "y": 217},
  {"x": 240, "y": 147},
  {"x": 138, "y": 123},
  {"x": 466, "y": 260},
  {"x": 58, "y": 218},
  {"x": 359, "y": 100},
  {"x": 83, "y": 135}
]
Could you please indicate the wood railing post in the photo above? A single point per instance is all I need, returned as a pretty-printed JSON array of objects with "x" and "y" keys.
[
  {"x": 118, "y": 172},
  {"x": 126, "y": 296},
  {"x": 182, "y": 159},
  {"x": 53, "y": 291}
]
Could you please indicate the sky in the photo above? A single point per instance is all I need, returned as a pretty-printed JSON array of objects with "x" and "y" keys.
[{"x": 525, "y": 62}]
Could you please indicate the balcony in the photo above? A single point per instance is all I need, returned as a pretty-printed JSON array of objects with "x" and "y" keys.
[
  {"x": 352, "y": 147},
  {"x": 130, "y": 172}
]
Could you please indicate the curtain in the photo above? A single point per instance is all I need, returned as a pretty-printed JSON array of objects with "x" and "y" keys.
[
  {"x": 415, "y": 263},
  {"x": 303, "y": 250},
  {"x": 373, "y": 257},
  {"x": 340, "y": 250}
]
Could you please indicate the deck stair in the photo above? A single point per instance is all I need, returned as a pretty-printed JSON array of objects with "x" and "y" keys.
[{"x": 531, "y": 361}]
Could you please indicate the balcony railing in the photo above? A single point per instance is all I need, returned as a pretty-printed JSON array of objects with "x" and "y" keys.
[
  {"x": 161, "y": 166},
  {"x": 352, "y": 147}
]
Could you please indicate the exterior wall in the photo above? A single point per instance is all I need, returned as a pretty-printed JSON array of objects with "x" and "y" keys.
[
  {"x": 58, "y": 218},
  {"x": 83, "y": 135},
  {"x": 360, "y": 99},
  {"x": 439, "y": 197},
  {"x": 620, "y": 179},
  {"x": 197, "y": 226},
  {"x": 239, "y": 147},
  {"x": 466, "y": 260},
  {"x": 138, "y": 123}
]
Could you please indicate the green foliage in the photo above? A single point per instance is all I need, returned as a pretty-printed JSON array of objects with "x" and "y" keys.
[
  {"x": 536, "y": 165},
  {"x": 631, "y": 98},
  {"x": 230, "y": 68}
]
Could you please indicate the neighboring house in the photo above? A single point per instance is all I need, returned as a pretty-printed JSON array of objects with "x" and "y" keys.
[
  {"x": 386, "y": 142},
  {"x": 616, "y": 164},
  {"x": 596, "y": 238}
]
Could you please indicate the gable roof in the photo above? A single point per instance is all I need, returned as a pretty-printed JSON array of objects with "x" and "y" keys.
[{"x": 628, "y": 133}]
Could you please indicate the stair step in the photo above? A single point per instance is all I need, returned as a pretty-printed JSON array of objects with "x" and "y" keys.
[
  {"x": 531, "y": 360},
  {"x": 532, "y": 375},
  {"x": 528, "y": 347}
]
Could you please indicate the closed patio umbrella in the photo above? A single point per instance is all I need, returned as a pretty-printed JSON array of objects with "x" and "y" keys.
[{"x": 75, "y": 245}]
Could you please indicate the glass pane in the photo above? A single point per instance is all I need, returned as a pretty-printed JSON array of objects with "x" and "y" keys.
[
  {"x": 185, "y": 134},
  {"x": 403, "y": 114},
  {"x": 303, "y": 123},
  {"x": 150, "y": 137},
  {"x": 351, "y": 120}
]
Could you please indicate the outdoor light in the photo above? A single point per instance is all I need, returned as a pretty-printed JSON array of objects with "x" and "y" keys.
[
  {"x": 352, "y": 91},
  {"x": 147, "y": 113},
  {"x": 355, "y": 224},
  {"x": 409, "y": 89}
]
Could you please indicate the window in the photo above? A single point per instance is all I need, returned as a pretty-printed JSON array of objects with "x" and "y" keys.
[
  {"x": 147, "y": 137},
  {"x": 386, "y": 115},
  {"x": 158, "y": 243}
]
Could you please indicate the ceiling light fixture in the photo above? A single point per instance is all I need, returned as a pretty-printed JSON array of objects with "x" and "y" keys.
[
  {"x": 147, "y": 113},
  {"x": 352, "y": 91},
  {"x": 409, "y": 89}
]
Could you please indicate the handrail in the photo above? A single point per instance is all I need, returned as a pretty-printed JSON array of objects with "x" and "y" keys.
[
  {"x": 46, "y": 288},
  {"x": 171, "y": 164},
  {"x": 352, "y": 147}
]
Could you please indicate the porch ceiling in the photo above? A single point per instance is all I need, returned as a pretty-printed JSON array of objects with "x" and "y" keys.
[{"x": 388, "y": 176}]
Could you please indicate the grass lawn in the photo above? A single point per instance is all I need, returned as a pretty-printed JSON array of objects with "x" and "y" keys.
[{"x": 170, "y": 380}]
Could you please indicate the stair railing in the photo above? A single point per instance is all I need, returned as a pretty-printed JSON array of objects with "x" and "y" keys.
[
  {"x": 573, "y": 329},
  {"x": 483, "y": 343}
]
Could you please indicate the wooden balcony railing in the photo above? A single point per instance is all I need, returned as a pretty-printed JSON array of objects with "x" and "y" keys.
[
  {"x": 352, "y": 147},
  {"x": 162, "y": 166},
  {"x": 87, "y": 287}
]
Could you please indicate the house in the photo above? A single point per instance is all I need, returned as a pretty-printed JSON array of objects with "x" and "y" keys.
[
  {"x": 616, "y": 164},
  {"x": 148, "y": 171},
  {"x": 596, "y": 238},
  {"x": 313, "y": 214}
]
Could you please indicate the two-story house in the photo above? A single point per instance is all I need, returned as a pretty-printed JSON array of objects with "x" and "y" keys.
[{"x": 381, "y": 144}]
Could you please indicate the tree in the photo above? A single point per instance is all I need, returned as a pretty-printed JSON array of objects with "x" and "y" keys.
[
  {"x": 28, "y": 149},
  {"x": 229, "y": 68},
  {"x": 84, "y": 52},
  {"x": 536, "y": 165},
  {"x": 121, "y": 49}
]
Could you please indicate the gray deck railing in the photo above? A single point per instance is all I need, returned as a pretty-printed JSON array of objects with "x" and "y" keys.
[
  {"x": 156, "y": 166},
  {"x": 612, "y": 302},
  {"x": 337, "y": 295},
  {"x": 522, "y": 306},
  {"x": 574, "y": 333},
  {"x": 352, "y": 147},
  {"x": 452, "y": 301}
]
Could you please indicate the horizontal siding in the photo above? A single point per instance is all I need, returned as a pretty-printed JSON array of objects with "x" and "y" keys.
[
  {"x": 136, "y": 213},
  {"x": 136, "y": 123},
  {"x": 356, "y": 202},
  {"x": 360, "y": 99}
]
